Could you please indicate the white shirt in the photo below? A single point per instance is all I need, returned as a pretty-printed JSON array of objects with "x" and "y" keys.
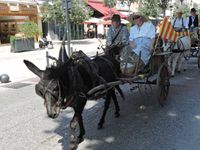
[
  {"x": 142, "y": 38},
  {"x": 180, "y": 23},
  {"x": 146, "y": 30}
]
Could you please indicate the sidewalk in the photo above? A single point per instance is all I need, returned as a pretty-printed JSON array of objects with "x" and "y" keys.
[{"x": 12, "y": 63}]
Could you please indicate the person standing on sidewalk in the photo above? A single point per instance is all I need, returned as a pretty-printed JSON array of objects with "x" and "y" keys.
[
  {"x": 193, "y": 20},
  {"x": 179, "y": 23}
]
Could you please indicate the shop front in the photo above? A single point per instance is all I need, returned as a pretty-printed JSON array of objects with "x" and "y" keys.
[{"x": 14, "y": 13}]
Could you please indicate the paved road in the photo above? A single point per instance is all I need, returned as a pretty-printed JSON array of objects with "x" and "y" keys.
[{"x": 143, "y": 124}]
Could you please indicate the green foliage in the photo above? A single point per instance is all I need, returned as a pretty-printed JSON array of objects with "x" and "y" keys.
[
  {"x": 185, "y": 9},
  {"x": 163, "y": 4},
  {"x": 79, "y": 12},
  {"x": 12, "y": 39},
  {"x": 110, "y": 3},
  {"x": 29, "y": 29},
  {"x": 54, "y": 12},
  {"x": 150, "y": 8}
]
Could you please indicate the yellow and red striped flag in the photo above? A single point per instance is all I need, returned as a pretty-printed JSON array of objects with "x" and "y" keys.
[
  {"x": 167, "y": 32},
  {"x": 183, "y": 33}
]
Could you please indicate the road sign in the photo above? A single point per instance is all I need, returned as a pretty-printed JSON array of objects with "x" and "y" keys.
[{"x": 67, "y": 4}]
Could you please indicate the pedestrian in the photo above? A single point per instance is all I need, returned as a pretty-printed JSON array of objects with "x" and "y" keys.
[
  {"x": 179, "y": 23},
  {"x": 193, "y": 20}
]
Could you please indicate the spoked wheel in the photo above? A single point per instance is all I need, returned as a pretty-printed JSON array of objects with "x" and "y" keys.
[
  {"x": 163, "y": 84},
  {"x": 198, "y": 61}
]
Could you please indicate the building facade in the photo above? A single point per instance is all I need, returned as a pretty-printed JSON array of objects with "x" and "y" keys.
[{"x": 16, "y": 12}]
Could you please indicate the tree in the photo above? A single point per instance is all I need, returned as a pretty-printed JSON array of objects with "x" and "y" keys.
[
  {"x": 185, "y": 8},
  {"x": 79, "y": 12},
  {"x": 110, "y": 3},
  {"x": 163, "y": 4},
  {"x": 150, "y": 8}
]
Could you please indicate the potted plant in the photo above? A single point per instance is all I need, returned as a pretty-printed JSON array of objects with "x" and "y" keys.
[{"x": 24, "y": 41}]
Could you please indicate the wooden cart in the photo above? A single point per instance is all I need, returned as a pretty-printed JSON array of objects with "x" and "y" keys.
[{"x": 158, "y": 74}]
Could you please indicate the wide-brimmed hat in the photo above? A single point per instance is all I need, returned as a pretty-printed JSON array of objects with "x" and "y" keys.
[
  {"x": 136, "y": 16},
  {"x": 179, "y": 11},
  {"x": 132, "y": 17}
]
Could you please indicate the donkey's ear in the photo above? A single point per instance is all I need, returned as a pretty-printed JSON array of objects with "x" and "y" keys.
[{"x": 34, "y": 68}]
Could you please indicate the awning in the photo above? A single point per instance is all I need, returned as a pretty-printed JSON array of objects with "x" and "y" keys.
[
  {"x": 106, "y": 11},
  {"x": 108, "y": 22},
  {"x": 93, "y": 20}
]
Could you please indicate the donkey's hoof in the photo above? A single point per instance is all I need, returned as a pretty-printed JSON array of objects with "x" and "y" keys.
[
  {"x": 79, "y": 140},
  {"x": 117, "y": 115},
  {"x": 100, "y": 126}
]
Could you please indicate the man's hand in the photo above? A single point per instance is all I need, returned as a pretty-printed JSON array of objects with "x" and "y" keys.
[{"x": 132, "y": 44}]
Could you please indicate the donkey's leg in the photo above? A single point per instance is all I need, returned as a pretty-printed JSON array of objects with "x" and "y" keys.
[
  {"x": 77, "y": 119},
  {"x": 106, "y": 106},
  {"x": 79, "y": 109},
  {"x": 117, "y": 109},
  {"x": 73, "y": 138},
  {"x": 80, "y": 120}
]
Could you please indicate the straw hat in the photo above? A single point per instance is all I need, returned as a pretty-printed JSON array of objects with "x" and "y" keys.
[
  {"x": 133, "y": 16},
  {"x": 179, "y": 11}
]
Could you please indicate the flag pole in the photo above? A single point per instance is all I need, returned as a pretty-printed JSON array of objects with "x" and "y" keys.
[
  {"x": 155, "y": 46},
  {"x": 160, "y": 28}
]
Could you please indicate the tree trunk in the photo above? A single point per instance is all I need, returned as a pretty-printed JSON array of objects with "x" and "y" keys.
[{"x": 164, "y": 12}]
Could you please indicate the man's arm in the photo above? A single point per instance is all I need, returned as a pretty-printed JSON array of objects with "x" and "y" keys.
[
  {"x": 125, "y": 36},
  {"x": 152, "y": 45},
  {"x": 131, "y": 38},
  {"x": 109, "y": 37},
  {"x": 186, "y": 22},
  {"x": 152, "y": 34},
  {"x": 132, "y": 44}
]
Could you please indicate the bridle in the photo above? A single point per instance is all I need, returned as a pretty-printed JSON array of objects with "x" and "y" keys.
[
  {"x": 51, "y": 91},
  {"x": 54, "y": 88}
]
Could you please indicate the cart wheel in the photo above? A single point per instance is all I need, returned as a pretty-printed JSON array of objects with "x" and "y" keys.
[
  {"x": 198, "y": 61},
  {"x": 163, "y": 84}
]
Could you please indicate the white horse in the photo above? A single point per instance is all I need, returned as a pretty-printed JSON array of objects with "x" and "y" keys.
[{"x": 181, "y": 51}]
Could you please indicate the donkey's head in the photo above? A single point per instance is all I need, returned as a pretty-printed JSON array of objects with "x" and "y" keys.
[{"x": 49, "y": 87}]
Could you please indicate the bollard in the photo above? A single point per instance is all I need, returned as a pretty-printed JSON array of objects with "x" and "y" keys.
[{"x": 4, "y": 78}]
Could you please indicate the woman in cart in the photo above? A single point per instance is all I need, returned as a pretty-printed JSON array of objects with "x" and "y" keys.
[{"x": 141, "y": 40}]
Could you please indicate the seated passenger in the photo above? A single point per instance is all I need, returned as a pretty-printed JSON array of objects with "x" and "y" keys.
[
  {"x": 117, "y": 36},
  {"x": 141, "y": 39}
]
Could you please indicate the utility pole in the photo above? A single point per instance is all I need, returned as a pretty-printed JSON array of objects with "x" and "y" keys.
[{"x": 67, "y": 7}]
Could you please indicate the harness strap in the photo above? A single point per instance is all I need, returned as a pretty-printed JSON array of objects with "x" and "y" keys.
[{"x": 113, "y": 40}]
